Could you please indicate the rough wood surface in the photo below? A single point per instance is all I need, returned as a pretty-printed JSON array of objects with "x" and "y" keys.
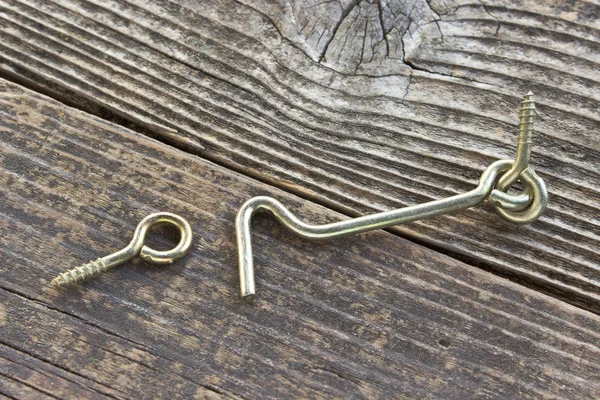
[
  {"x": 372, "y": 316},
  {"x": 361, "y": 106}
]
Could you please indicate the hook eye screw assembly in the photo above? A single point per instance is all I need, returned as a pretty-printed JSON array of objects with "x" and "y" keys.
[
  {"x": 134, "y": 248},
  {"x": 493, "y": 186}
]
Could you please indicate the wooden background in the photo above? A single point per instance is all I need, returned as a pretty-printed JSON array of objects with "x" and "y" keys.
[{"x": 110, "y": 110}]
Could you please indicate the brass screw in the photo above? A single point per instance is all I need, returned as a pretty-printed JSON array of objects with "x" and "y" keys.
[
  {"x": 134, "y": 248},
  {"x": 81, "y": 273},
  {"x": 526, "y": 116}
]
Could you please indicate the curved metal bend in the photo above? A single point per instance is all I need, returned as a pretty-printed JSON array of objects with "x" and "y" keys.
[
  {"x": 513, "y": 211},
  {"x": 137, "y": 246}
]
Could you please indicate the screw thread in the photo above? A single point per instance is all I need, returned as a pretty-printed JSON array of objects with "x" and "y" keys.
[
  {"x": 81, "y": 273},
  {"x": 526, "y": 116}
]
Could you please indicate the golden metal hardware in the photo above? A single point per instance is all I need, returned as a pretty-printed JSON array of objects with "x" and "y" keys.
[
  {"x": 134, "y": 248},
  {"x": 523, "y": 208}
]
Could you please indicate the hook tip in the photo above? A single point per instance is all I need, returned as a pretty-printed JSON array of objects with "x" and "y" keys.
[{"x": 249, "y": 298}]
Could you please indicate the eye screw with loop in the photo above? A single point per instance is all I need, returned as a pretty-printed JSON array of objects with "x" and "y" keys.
[
  {"x": 526, "y": 115},
  {"x": 508, "y": 206},
  {"x": 134, "y": 248}
]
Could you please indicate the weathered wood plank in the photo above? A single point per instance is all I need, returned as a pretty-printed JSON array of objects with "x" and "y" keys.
[
  {"x": 335, "y": 102},
  {"x": 23, "y": 376},
  {"x": 373, "y": 316}
]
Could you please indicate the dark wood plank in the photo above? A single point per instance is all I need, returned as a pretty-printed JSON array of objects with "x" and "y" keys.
[
  {"x": 361, "y": 107},
  {"x": 372, "y": 316},
  {"x": 25, "y": 377}
]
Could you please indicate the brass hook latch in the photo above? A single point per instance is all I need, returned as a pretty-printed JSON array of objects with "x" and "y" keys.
[
  {"x": 134, "y": 248},
  {"x": 523, "y": 208}
]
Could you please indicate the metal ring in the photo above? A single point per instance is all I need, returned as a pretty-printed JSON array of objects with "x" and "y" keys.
[
  {"x": 165, "y": 256},
  {"x": 537, "y": 192}
]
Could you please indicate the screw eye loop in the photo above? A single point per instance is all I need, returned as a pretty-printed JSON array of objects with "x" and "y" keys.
[
  {"x": 164, "y": 256},
  {"x": 514, "y": 208}
]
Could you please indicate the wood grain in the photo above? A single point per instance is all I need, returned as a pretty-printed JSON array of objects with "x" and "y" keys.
[
  {"x": 371, "y": 316},
  {"x": 359, "y": 106}
]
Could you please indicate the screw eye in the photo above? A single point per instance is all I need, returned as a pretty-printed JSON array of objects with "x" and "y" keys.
[{"x": 134, "y": 248}]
